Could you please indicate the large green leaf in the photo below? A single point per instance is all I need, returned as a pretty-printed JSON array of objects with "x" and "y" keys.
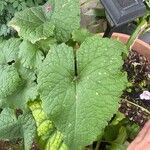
[
  {"x": 30, "y": 55},
  {"x": 60, "y": 17},
  {"x": 81, "y": 105},
  {"x": 9, "y": 80},
  {"x": 32, "y": 24},
  {"x": 9, "y": 50},
  {"x": 65, "y": 17},
  {"x": 13, "y": 128}
]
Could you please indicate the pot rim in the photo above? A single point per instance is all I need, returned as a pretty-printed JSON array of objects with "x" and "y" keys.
[{"x": 139, "y": 46}]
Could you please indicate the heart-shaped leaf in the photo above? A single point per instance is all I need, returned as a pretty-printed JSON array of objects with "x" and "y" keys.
[{"x": 80, "y": 88}]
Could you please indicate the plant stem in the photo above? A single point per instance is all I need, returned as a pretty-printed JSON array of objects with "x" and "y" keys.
[
  {"x": 142, "y": 108},
  {"x": 75, "y": 64},
  {"x": 98, "y": 145},
  {"x": 140, "y": 28}
]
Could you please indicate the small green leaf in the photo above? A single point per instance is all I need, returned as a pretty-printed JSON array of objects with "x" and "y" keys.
[
  {"x": 25, "y": 73},
  {"x": 15, "y": 4},
  {"x": 2, "y": 6},
  {"x": 132, "y": 130},
  {"x": 25, "y": 91},
  {"x": 9, "y": 80},
  {"x": 122, "y": 136},
  {"x": 32, "y": 24},
  {"x": 120, "y": 142},
  {"x": 46, "y": 45},
  {"x": 118, "y": 117},
  {"x": 30, "y": 55},
  {"x": 80, "y": 35},
  {"x": 28, "y": 91},
  {"x": 13, "y": 128},
  {"x": 111, "y": 132},
  {"x": 9, "y": 50},
  {"x": 81, "y": 106},
  {"x": 28, "y": 129},
  {"x": 8, "y": 125},
  {"x": 148, "y": 3},
  {"x": 117, "y": 146}
]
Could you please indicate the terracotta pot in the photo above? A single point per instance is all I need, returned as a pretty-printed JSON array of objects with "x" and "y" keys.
[{"x": 139, "y": 46}]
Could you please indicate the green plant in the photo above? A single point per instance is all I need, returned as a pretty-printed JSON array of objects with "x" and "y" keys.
[
  {"x": 60, "y": 85},
  {"x": 143, "y": 26},
  {"x": 7, "y": 10}
]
